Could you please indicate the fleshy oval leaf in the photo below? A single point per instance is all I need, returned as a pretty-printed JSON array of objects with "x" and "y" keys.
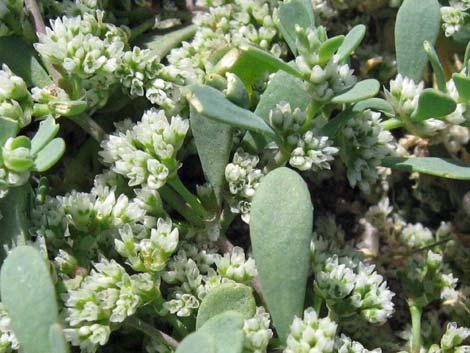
[
  {"x": 352, "y": 40},
  {"x": 49, "y": 155},
  {"x": 281, "y": 221},
  {"x": 417, "y": 21},
  {"x": 441, "y": 167},
  {"x": 197, "y": 342},
  {"x": 462, "y": 83},
  {"x": 29, "y": 297},
  {"x": 361, "y": 90},
  {"x": 227, "y": 296},
  {"x": 227, "y": 331},
  {"x": 47, "y": 131},
  {"x": 433, "y": 104}
]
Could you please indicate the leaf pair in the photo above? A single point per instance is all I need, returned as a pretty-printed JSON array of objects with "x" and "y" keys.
[{"x": 220, "y": 321}]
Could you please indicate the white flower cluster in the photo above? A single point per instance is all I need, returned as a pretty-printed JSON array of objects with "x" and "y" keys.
[
  {"x": 225, "y": 23},
  {"x": 344, "y": 344},
  {"x": 235, "y": 266},
  {"x": 415, "y": 236},
  {"x": 313, "y": 152},
  {"x": 454, "y": 16},
  {"x": 287, "y": 122},
  {"x": 87, "y": 50},
  {"x": 15, "y": 100},
  {"x": 148, "y": 255},
  {"x": 102, "y": 300},
  {"x": 8, "y": 341},
  {"x": 146, "y": 152},
  {"x": 257, "y": 332},
  {"x": 243, "y": 179},
  {"x": 325, "y": 80},
  {"x": 311, "y": 334},
  {"x": 367, "y": 144},
  {"x": 426, "y": 278},
  {"x": 403, "y": 95},
  {"x": 142, "y": 74},
  {"x": 349, "y": 286},
  {"x": 453, "y": 338}
]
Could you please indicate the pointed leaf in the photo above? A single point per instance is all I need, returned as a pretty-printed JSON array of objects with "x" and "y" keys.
[
  {"x": 227, "y": 296},
  {"x": 295, "y": 13},
  {"x": 29, "y": 297},
  {"x": 162, "y": 44},
  {"x": 227, "y": 331},
  {"x": 212, "y": 103},
  {"x": 22, "y": 60},
  {"x": 433, "y": 104},
  {"x": 417, "y": 21},
  {"x": 442, "y": 167},
  {"x": 436, "y": 66},
  {"x": 462, "y": 83},
  {"x": 8, "y": 128},
  {"x": 15, "y": 223},
  {"x": 213, "y": 142},
  {"x": 280, "y": 230},
  {"x": 361, "y": 90},
  {"x": 328, "y": 48},
  {"x": 46, "y": 132},
  {"x": 250, "y": 63},
  {"x": 352, "y": 40},
  {"x": 49, "y": 155},
  {"x": 377, "y": 104},
  {"x": 197, "y": 342}
]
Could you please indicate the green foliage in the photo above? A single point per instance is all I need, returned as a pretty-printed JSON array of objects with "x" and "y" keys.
[
  {"x": 295, "y": 13},
  {"x": 228, "y": 296},
  {"x": 417, "y": 21},
  {"x": 440, "y": 167},
  {"x": 226, "y": 330},
  {"x": 351, "y": 42},
  {"x": 28, "y": 295},
  {"x": 433, "y": 104},
  {"x": 280, "y": 237},
  {"x": 361, "y": 90},
  {"x": 197, "y": 342}
]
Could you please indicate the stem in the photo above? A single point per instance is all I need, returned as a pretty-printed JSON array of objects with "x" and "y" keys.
[
  {"x": 392, "y": 124},
  {"x": 188, "y": 196},
  {"x": 143, "y": 27},
  {"x": 175, "y": 201},
  {"x": 90, "y": 126},
  {"x": 279, "y": 159},
  {"x": 177, "y": 325},
  {"x": 317, "y": 303},
  {"x": 40, "y": 27},
  {"x": 151, "y": 331},
  {"x": 416, "y": 313}
]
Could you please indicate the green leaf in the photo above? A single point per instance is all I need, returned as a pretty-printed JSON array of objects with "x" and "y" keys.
[
  {"x": 466, "y": 59},
  {"x": 336, "y": 124},
  {"x": 227, "y": 331},
  {"x": 436, "y": 65},
  {"x": 433, "y": 104},
  {"x": 281, "y": 88},
  {"x": 295, "y": 13},
  {"x": 328, "y": 48},
  {"x": 49, "y": 155},
  {"x": 29, "y": 297},
  {"x": 21, "y": 59},
  {"x": 462, "y": 83},
  {"x": 352, "y": 40},
  {"x": 361, "y": 90},
  {"x": 15, "y": 222},
  {"x": 417, "y": 21},
  {"x": 213, "y": 142},
  {"x": 212, "y": 103},
  {"x": 46, "y": 132},
  {"x": 57, "y": 339},
  {"x": 442, "y": 167},
  {"x": 250, "y": 63},
  {"x": 281, "y": 230},
  {"x": 8, "y": 128},
  {"x": 377, "y": 104},
  {"x": 163, "y": 43},
  {"x": 197, "y": 342},
  {"x": 227, "y": 296}
]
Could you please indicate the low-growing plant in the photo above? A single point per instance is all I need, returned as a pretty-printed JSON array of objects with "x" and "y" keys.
[{"x": 235, "y": 176}]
